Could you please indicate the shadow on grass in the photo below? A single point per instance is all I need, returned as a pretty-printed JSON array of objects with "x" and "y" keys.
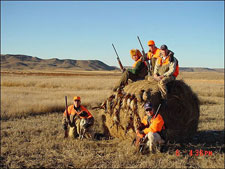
[{"x": 210, "y": 140}]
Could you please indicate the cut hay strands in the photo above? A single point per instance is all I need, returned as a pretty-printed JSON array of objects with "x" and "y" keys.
[{"x": 178, "y": 114}]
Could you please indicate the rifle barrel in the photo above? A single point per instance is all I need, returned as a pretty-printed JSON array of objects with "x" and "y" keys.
[
  {"x": 140, "y": 43},
  {"x": 157, "y": 110},
  {"x": 115, "y": 51},
  {"x": 66, "y": 101}
]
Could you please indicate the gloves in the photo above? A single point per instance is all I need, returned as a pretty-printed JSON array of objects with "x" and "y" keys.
[
  {"x": 64, "y": 126},
  {"x": 141, "y": 132}
]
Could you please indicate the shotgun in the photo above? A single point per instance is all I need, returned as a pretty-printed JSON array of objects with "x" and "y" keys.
[
  {"x": 118, "y": 59},
  {"x": 157, "y": 111},
  {"x": 145, "y": 58},
  {"x": 68, "y": 117}
]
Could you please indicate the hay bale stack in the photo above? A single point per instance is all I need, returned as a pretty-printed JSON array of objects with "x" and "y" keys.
[{"x": 124, "y": 109}]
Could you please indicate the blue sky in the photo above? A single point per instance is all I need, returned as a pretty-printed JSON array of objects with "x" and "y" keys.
[{"x": 86, "y": 30}]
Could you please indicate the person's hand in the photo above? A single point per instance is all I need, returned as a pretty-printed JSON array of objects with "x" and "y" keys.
[
  {"x": 161, "y": 77},
  {"x": 64, "y": 126},
  {"x": 156, "y": 78},
  {"x": 140, "y": 133}
]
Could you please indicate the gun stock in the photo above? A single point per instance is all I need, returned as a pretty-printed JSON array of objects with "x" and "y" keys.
[{"x": 121, "y": 66}]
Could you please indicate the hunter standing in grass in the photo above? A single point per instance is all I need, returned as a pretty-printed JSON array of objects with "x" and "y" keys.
[
  {"x": 166, "y": 69},
  {"x": 138, "y": 71},
  {"x": 76, "y": 112}
]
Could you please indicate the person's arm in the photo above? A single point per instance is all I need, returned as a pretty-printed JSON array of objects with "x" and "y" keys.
[
  {"x": 172, "y": 68},
  {"x": 137, "y": 68},
  {"x": 64, "y": 122},
  {"x": 86, "y": 110},
  {"x": 156, "y": 69},
  {"x": 149, "y": 55},
  {"x": 156, "y": 125}
]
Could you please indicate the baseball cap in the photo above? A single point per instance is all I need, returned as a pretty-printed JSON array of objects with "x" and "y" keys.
[
  {"x": 147, "y": 106},
  {"x": 163, "y": 47},
  {"x": 76, "y": 98},
  {"x": 151, "y": 42}
]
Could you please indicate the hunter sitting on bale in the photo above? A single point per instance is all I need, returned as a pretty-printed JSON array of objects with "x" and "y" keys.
[
  {"x": 166, "y": 69},
  {"x": 78, "y": 118},
  {"x": 138, "y": 72},
  {"x": 152, "y": 127},
  {"x": 153, "y": 54}
]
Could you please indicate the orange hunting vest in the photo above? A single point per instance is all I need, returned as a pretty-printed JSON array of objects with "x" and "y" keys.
[
  {"x": 155, "y": 54},
  {"x": 166, "y": 62},
  {"x": 139, "y": 60},
  {"x": 72, "y": 111},
  {"x": 155, "y": 125}
]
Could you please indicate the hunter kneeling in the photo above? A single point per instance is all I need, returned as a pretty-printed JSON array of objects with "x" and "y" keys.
[
  {"x": 138, "y": 71},
  {"x": 79, "y": 120},
  {"x": 152, "y": 128}
]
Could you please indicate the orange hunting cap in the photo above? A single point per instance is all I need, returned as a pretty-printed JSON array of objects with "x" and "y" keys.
[
  {"x": 76, "y": 98},
  {"x": 151, "y": 42},
  {"x": 135, "y": 52}
]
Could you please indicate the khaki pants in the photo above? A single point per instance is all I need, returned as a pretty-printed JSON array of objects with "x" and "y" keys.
[
  {"x": 162, "y": 85},
  {"x": 154, "y": 139},
  {"x": 153, "y": 62}
]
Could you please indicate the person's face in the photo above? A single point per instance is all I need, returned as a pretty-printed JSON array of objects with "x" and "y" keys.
[
  {"x": 76, "y": 103},
  {"x": 163, "y": 52},
  {"x": 149, "y": 112},
  {"x": 151, "y": 48},
  {"x": 135, "y": 57}
]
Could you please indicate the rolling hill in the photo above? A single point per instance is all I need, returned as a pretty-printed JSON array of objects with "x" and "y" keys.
[
  {"x": 28, "y": 62},
  {"x": 24, "y": 62}
]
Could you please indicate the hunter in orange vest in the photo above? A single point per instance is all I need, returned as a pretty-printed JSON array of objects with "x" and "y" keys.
[
  {"x": 152, "y": 127},
  {"x": 166, "y": 70},
  {"x": 138, "y": 71},
  {"x": 154, "y": 53},
  {"x": 76, "y": 112}
]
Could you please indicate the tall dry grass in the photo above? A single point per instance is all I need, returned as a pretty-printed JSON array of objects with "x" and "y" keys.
[
  {"x": 26, "y": 95},
  {"x": 37, "y": 141}
]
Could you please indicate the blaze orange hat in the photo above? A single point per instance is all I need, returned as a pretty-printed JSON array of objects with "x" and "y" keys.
[
  {"x": 76, "y": 98},
  {"x": 134, "y": 52},
  {"x": 151, "y": 42}
]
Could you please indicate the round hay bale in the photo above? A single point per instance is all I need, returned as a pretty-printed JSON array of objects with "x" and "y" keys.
[{"x": 124, "y": 109}]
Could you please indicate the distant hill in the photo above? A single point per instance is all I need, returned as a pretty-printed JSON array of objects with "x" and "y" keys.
[
  {"x": 21, "y": 62},
  {"x": 200, "y": 69}
]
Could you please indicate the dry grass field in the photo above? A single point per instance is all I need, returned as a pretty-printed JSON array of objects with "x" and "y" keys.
[{"x": 32, "y": 103}]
